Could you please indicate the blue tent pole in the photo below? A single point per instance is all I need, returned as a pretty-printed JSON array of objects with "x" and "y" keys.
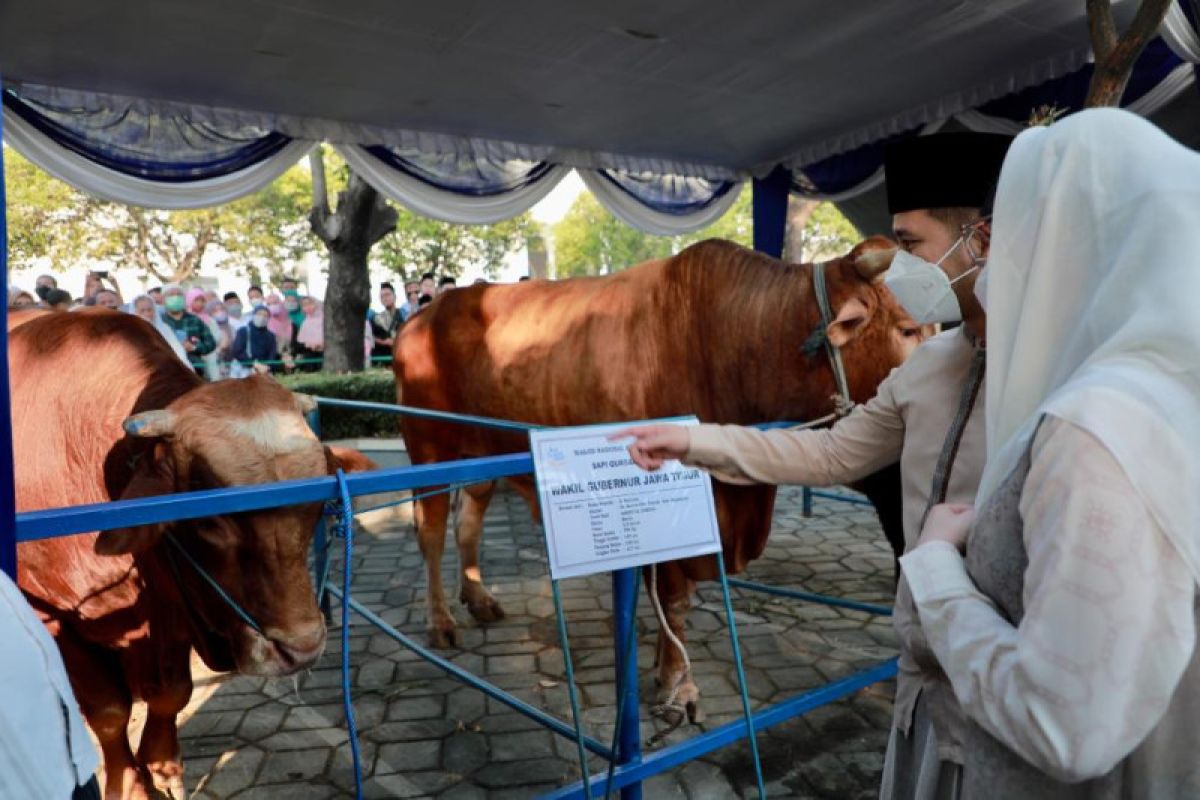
[
  {"x": 629, "y": 745},
  {"x": 8, "y": 499},
  {"x": 770, "y": 211}
]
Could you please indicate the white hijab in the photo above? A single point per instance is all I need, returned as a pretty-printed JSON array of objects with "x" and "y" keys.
[{"x": 1093, "y": 303}]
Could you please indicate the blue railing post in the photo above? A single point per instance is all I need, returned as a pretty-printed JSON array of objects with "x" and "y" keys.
[
  {"x": 806, "y": 498},
  {"x": 8, "y": 496},
  {"x": 629, "y": 744}
]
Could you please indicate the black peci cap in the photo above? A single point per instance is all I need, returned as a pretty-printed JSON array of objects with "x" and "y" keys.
[{"x": 943, "y": 170}]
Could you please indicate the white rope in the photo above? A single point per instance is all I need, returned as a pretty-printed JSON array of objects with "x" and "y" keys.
[{"x": 673, "y": 692}]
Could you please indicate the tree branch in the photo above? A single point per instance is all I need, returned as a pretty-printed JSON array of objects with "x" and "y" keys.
[
  {"x": 319, "y": 216},
  {"x": 383, "y": 221},
  {"x": 1101, "y": 27},
  {"x": 1115, "y": 58}
]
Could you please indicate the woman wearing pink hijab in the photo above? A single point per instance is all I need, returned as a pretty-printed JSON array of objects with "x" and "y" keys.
[
  {"x": 310, "y": 338},
  {"x": 280, "y": 323}
]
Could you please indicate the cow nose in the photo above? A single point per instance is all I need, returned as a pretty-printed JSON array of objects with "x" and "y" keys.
[{"x": 299, "y": 644}]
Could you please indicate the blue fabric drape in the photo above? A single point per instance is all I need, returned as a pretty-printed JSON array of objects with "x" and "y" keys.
[
  {"x": 1156, "y": 62},
  {"x": 471, "y": 175},
  {"x": 843, "y": 172},
  {"x": 668, "y": 194},
  {"x": 167, "y": 149}
]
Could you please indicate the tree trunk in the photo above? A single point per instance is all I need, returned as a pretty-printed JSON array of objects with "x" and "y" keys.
[
  {"x": 1115, "y": 55},
  {"x": 539, "y": 259},
  {"x": 362, "y": 218},
  {"x": 799, "y": 211}
]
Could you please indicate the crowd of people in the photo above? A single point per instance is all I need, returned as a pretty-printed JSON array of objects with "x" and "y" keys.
[{"x": 223, "y": 337}]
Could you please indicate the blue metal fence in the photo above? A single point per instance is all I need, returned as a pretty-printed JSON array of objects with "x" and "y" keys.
[{"x": 630, "y": 765}]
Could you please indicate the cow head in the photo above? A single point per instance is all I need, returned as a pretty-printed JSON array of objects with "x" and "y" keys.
[
  {"x": 869, "y": 325},
  {"x": 234, "y": 433}
]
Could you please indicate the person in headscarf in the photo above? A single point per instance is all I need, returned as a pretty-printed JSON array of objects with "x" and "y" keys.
[
  {"x": 197, "y": 303},
  {"x": 255, "y": 342},
  {"x": 1068, "y": 630},
  {"x": 310, "y": 338},
  {"x": 291, "y": 301},
  {"x": 280, "y": 323},
  {"x": 18, "y": 298},
  {"x": 225, "y": 331}
]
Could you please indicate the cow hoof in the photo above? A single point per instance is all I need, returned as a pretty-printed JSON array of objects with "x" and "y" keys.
[
  {"x": 443, "y": 638},
  {"x": 485, "y": 610},
  {"x": 695, "y": 713},
  {"x": 168, "y": 780}
]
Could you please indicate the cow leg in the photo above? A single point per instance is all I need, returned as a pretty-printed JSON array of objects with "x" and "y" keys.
[
  {"x": 472, "y": 592},
  {"x": 159, "y": 748},
  {"x": 677, "y": 691},
  {"x": 431, "y": 514},
  {"x": 105, "y": 700}
]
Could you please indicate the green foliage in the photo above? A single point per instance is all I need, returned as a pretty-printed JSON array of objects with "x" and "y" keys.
[
  {"x": 827, "y": 234},
  {"x": 256, "y": 234},
  {"x": 420, "y": 245},
  {"x": 374, "y": 385},
  {"x": 590, "y": 241}
]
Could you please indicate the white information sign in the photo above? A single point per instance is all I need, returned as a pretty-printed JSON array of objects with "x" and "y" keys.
[{"x": 602, "y": 512}]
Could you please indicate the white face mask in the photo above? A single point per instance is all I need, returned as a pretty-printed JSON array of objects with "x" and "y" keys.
[{"x": 923, "y": 288}]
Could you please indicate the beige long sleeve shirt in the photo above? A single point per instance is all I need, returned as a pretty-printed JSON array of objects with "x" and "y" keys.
[
  {"x": 1102, "y": 667},
  {"x": 908, "y": 419}
]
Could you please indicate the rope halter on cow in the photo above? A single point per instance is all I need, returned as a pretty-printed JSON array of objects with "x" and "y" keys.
[{"x": 842, "y": 402}]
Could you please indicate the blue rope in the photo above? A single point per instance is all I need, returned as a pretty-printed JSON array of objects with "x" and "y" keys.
[
  {"x": 741, "y": 673},
  {"x": 571, "y": 691},
  {"x": 229, "y": 601},
  {"x": 347, "y": 702}
]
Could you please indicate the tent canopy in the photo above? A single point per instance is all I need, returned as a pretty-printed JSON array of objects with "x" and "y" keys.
[{"x": 702, "y": 82}]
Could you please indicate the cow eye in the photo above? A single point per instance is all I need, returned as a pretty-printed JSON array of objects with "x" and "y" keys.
[{"x": 909, "y": 332}]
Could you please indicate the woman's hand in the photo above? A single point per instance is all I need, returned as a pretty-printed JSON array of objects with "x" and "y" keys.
[
  {"x": 655, "y": 444},
  {"x": 948, "y": 522}
]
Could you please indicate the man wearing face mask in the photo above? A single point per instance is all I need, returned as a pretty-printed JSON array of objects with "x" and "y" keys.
[
  {"x": 190, "y": 330},
  {"x": 927, "y": 414}
]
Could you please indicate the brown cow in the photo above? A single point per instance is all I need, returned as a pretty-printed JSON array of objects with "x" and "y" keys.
[
  {"x": 717, "y": 331},
  {"x": 124, "y": 607}
]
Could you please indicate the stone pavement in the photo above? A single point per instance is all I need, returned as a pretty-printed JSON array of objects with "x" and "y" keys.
[{"x": 426, "y": 735}]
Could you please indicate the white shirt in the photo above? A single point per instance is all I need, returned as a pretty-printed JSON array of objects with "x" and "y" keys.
[
  {"x": 1109, "y": 624},
  {"x": 45, "y": 751}
]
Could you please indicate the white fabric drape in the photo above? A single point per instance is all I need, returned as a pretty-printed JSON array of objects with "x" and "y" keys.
[
  {"x": 108, "y": 184},
  {"x": 429, "y": 201},
  {"x": 348, "y": 133},
  {"x": 1091, "y": 306},
  {"x": 1179, "y": 34},
  {"x": 627, "y": 209}
]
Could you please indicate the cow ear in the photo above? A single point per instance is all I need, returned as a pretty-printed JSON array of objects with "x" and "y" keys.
[
  {"x": 155, "y": 475},
  {"x": 348, "y": 460},
  {"x": 852, "y": 315}
]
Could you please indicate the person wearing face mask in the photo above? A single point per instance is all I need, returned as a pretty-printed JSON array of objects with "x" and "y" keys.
[
  {"x": 255, "y": 342},
  {"x": 191, "y": 331},
  {"x": 233, "y": 307},
  {"x": 144, "y": 307},
  {"x": 1064, "y": 604},
  {"x": 926, "y": 414}
]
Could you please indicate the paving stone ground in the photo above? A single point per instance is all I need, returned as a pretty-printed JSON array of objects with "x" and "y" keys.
[{"x": 424, "y": 734}]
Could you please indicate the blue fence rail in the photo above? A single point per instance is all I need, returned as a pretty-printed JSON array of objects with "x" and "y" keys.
[{"x": 630, "y": 767}]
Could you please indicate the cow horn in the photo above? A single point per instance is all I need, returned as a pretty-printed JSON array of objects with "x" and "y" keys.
[
  {"x": 873, "y": 263},
  {"x": 149, "y": 424},
  {"x": 305, "y": 403}
]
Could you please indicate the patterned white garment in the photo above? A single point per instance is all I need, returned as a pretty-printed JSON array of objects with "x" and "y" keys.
[{"x": 1095, "y": 666}]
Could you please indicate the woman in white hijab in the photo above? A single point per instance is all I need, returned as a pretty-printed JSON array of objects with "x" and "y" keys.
[{"x": 1068, "y": 630}]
